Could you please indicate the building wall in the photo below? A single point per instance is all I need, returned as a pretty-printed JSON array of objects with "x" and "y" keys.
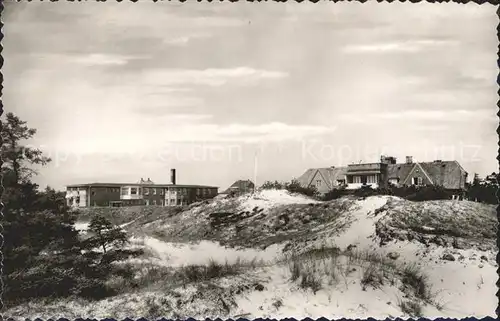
[
  {"x": 153, "y": 195},
  {"x": 101, "y": 196},
  {"x": 323, "y": 185},
  {"x": 417, "y": 173},
  {"x": 146, "y": 195}
]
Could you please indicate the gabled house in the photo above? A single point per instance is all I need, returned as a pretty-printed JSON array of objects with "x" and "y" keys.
[
  {"x": 448, "y": 174},
  {"x": 324, "y": 179},
  {"x": 240, "y": 187}
]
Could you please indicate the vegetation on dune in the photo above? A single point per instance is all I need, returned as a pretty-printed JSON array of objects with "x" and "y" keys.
[
  {"x": 293, "y": 187},
  {"x": 463, "y": 224},
  {"x": 43, "y": 253},
  {"x": 310, "y": 269}
]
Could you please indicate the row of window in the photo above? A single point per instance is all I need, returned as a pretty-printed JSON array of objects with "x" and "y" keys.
[{"x": 160, "y": 191}]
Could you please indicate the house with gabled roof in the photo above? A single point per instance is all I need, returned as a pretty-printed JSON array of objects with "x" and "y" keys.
[
  {"x": 448, "y": 174},
  {"x": 324, "y": 179},
  {"x": 240, "y": 187}
]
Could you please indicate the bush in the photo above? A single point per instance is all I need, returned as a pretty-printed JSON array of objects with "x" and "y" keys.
[
  {"x": 196, "y": 273},
  {"x": 411, "y": 308},
  {"x": 485, "y": 193},
  {"x": 372, "y": 276},
  {"x": 334, "y": 194},
  {"x": 365, "y": 191},
  {"x": 295, "y": 187},
  {"x": 429, "y": 193},
  {"x": 273, "y": 185},
  {"x": 417, "y": 281},
  {"x": 295, "y": 269},
  {"x": 310, "y": 281}
]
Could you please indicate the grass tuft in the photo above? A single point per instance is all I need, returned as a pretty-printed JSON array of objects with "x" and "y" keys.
[
  {"x": 414, "y": 278},
  {"x": 372, "y": 276},
  {"x": 310, "y": 281},
  {"x": 412, "y": 308}
]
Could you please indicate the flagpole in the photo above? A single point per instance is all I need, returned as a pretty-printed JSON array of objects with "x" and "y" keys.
[{"x": 255, "y": 173}]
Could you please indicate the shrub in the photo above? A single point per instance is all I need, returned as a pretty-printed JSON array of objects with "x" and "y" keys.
[
  {"x": 196, "y": 273},
  {"x": 295, "y": 269},
  {"x": 428, "y": 193},
  {"x": 295, "y": 187},
  {"x": 417, "y": 281},
  {"x": 309, "y": 280},
  {"x": 334, "y": 194},
  {"x": 372, "y": 276},
  {"x": 273, "y": 185},
  {"x": 411, "y": 308},
  {"x": 365, "y": 191}
]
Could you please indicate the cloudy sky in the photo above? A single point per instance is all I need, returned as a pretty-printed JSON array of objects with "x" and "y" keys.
[{"x": 120, "y": 91}]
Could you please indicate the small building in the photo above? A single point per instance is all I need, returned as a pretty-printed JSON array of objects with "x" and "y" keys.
[
  {"x": 448, "y": 174},
  {"x": 324, "y": 179},
  {"x": 240, "y": 187},
  {"x": 144, "y": 192}
]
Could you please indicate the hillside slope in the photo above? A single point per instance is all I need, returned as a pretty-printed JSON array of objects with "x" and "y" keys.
[{"x": 295, "y": 257}]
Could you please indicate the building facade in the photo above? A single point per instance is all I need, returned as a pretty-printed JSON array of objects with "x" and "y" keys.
[
  {"x": 144, "y": 192},
  {"x": 448, "y": 174}
]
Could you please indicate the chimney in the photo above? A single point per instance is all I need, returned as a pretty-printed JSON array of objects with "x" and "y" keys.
[
  {"x": 172, "y": 176},
  {"x": 409, "y": 160}
]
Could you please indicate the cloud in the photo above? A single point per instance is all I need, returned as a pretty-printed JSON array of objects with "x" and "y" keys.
[
  {"x": 125, "y": 135},
  {"x": 101, "y": 59},
  {"x": 409, "y": 46},
  {"x": 208, "y": 77},
  {"x": 184, "y": 40},
  {"x": 418, "y": 115}
]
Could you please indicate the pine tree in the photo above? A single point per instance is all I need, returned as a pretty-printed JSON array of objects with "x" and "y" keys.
[{"x": 105, "y": 235}]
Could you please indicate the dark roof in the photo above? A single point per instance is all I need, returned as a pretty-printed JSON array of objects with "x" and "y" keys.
[
  {"x": 440, "y": 172},
  {"x": 241, "y": 185},
  {"x": 400, "y": 171},
  {"x": 330, "y": 175},
  {"x": 138, "y": 184}
]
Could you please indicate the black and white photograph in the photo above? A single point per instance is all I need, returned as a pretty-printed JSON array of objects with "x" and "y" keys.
[{"x": 243, "y": 160}]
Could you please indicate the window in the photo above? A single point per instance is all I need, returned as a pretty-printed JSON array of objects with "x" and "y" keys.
[
  {"x": 133, "y": 190},
  {"x": 372, "y": 179},
  {"x": 417, "y": 180},
  {"x": 154, "y": 191},
  {"x": 154, "y": 202},
  {"x": 318, "y": 183},
  {"x": 124, "y": 191},
  {"x": 146, "y": 191},
  {"x": 161, "y": 191},
  {"x": 356, "y": 179}
]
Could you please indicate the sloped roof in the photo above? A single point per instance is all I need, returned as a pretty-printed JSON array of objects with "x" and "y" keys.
[
  {"x": 400, "y": 171},
  {"x": 441, "y": 173},
  {"x": 329, "y": 174},
  {"x": 240, "y": 185}
]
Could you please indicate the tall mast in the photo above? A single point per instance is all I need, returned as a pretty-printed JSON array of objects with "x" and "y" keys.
[{"x": 255, "y": 173}]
